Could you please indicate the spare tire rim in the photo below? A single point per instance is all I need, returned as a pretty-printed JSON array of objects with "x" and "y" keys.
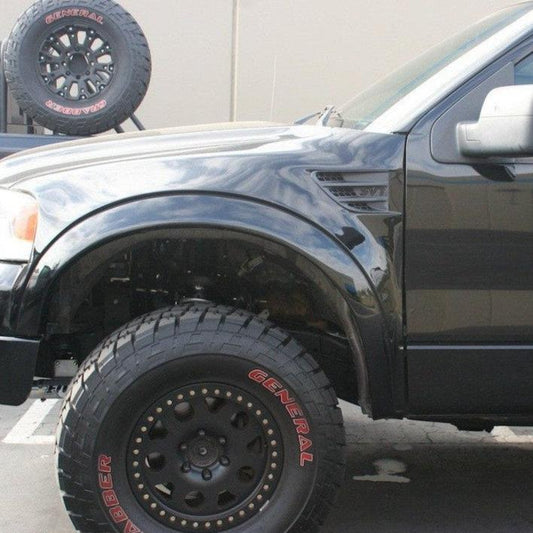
[
  {"x": 206, "y": 457},
  {"x": 76, "y": 63}
]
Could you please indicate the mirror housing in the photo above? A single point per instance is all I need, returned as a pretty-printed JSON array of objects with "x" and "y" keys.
[{"x": 505, "y": 125}]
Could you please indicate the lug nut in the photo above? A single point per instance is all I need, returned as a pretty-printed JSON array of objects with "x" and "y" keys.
[
  {"x": 224, "y": 461},
  {"x": 186, "y": 467},
  {"x": 206, "y": 474},
  {"x": 201, "y": 432},
  {"x": 222, "y": 440},
  {"x": 183, "y": 447}
]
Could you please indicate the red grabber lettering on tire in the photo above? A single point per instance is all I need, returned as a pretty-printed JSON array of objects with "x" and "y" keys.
[
  {"x": 110, "y": 498},
  {"x": 76, "y": 111},
  {"x": 293, "y": 408}
]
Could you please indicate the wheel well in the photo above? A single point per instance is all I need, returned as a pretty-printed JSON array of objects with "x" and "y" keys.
[{"x": 140, "y": 273}]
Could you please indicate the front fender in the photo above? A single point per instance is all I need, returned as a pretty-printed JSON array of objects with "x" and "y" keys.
[{"x": 352, "y": 295}]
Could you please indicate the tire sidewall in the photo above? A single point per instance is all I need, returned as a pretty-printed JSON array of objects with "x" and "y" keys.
[
  {"x": 141, "y": 387},
  {"x": 32, "y": 42}
]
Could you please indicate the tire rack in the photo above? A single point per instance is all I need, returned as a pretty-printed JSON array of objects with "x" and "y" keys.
[{"x": 28, "y": 122}]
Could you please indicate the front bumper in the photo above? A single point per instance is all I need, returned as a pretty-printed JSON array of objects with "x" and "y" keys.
[{"x": 18, "y": 358}]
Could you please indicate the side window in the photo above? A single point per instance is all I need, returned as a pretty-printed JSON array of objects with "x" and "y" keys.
[
  {"x": 523, "y": 71},
  {"x": 443, "y": 139}
]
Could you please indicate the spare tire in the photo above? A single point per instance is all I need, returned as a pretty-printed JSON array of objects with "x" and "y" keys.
[{"x": 77, "y": 67}]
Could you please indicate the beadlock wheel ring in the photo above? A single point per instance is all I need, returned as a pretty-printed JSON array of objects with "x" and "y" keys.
[{"x": 206, "y": 457}]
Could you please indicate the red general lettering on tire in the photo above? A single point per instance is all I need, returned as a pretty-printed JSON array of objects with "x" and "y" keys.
[
  {"x": 294, "y": 409},
  {"x": 302, "y": 427},
  {"x": 110, "y": 498},
  {"x": 73, "y": 12},
  {"x": 306, "y": 458},
  {"x": 281, "y": 392},
  {"x": 305, "y": 443},
  {"x": 284, "y": 397},
  {"x": 272, "y": 385},
  {"x": 258, "y": 375}
]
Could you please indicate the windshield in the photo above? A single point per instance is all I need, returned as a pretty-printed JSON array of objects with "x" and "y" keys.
[{"x": 380, "y": 108}]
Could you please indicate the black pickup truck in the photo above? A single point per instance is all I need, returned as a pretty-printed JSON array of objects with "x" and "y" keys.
[{"x": 213, "y": 290}]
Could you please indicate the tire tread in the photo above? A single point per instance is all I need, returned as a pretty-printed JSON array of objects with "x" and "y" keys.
[{"x": 189, "y": 320}]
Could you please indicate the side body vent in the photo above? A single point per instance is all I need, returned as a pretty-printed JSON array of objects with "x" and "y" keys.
[{"x": 361, "y": 192}]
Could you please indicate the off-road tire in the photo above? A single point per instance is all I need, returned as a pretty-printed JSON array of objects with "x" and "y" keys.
[
  {"x": 110, "y": 416},
  {"x": 103, "y": 87}
]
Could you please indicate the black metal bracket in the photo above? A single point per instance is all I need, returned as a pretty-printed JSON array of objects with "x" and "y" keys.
[
  {"x": 138, "y": 124},
  {"x": 3, "y": 92}
]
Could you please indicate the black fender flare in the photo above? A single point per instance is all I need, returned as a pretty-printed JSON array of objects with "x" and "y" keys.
[{"x": 355, "y": 299}]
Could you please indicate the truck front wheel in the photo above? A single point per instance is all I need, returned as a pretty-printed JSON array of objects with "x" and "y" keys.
[{"x": 200, "y": 418}]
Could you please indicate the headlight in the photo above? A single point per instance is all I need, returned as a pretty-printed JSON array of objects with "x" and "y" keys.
[{"x": 18, "y": 225}]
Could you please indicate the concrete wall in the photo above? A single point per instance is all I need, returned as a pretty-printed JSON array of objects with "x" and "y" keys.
[{"x": 294, "y": 56}]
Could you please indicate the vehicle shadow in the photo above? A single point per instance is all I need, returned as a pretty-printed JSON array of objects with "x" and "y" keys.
[{"x": 423, "y": 477}]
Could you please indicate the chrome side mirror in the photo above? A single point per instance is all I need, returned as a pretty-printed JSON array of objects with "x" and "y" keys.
[{"x": 505, "y": 125}]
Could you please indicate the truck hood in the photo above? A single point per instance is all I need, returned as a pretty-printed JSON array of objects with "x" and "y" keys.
[
  {"x": 258, "y": 162},
  {"x": 97, "y": 150}
]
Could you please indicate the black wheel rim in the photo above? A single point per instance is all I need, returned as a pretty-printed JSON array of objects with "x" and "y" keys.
[
  {"x": 206, "y": 457},
  {"x": 76, "y": 63}
]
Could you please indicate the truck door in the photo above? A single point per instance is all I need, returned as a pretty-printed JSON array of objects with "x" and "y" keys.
[{"x": 469, "y": 262}]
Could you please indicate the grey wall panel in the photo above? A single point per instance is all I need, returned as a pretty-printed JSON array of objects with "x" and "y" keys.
[
  {"x": 322, "y": 52},
  {"x": 191, "y": 54}
]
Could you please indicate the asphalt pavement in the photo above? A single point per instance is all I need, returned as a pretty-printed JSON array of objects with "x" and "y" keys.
[{"x": 402, "y": 476}]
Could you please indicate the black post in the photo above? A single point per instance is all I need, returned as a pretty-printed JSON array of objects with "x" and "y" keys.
[
  {"x": 3, "y": 92},
  {"x": 137, "y": 122}
]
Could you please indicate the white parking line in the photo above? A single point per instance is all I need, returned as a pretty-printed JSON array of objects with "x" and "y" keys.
[{"x": 22, "y": 432}]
